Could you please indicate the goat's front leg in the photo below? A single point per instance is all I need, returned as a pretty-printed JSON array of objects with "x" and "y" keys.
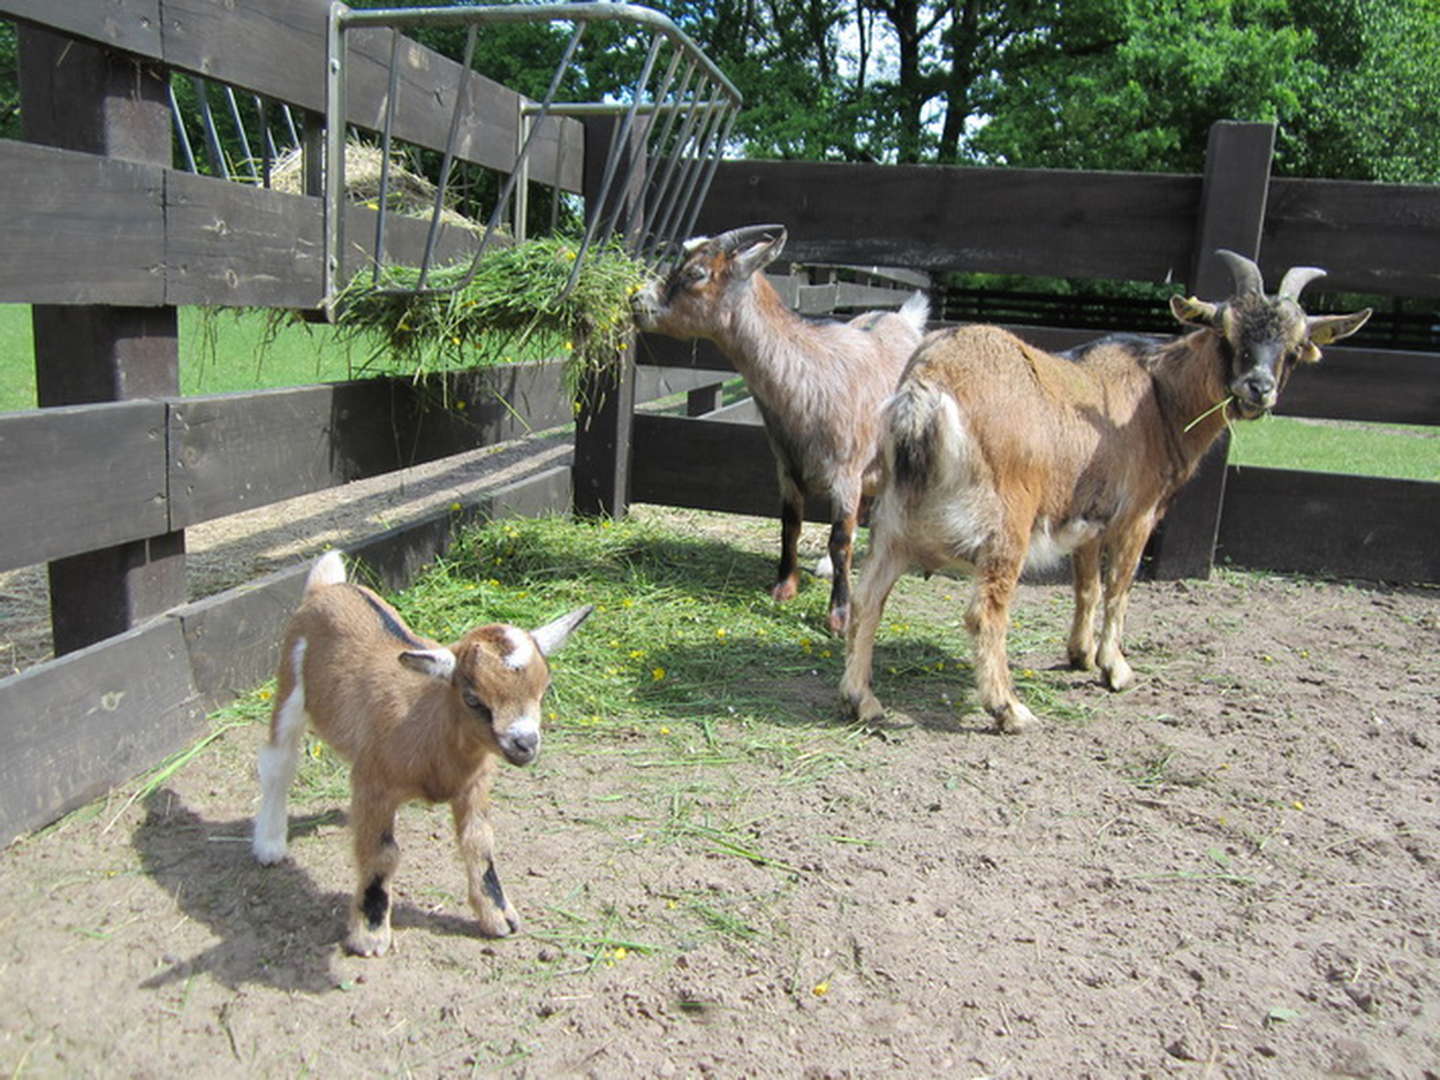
[
  {"x": 1123, "y": 558},
  {"x": 988, "y": 620},
  {"x": 792, "y": 517},
  {"x": 842, "y": 539},
  {"x": 372, "y": 823},
  {"x": 1085, "y": 564},
  {"x": 882, "y": 569},
  {"x": 477, "y": 849}
]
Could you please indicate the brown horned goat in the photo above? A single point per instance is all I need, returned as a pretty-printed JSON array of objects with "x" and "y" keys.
[
  {"x": 416, "y": 720},
  {"x": 998, "y": 455},
  {"x": 819, "y": 383}
]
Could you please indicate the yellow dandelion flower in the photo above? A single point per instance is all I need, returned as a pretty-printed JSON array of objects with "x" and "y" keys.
[
  {"x": 637, "y": 654},
  {"x": 620, "y": 952},
  {"x": 821, "y": 988},
  {"x": 1298, "y": 805},
  {"x": 664, "y": 730},
  {"x": 455, "y": 507},
  {"x": 722, "y": 633},
  {"x": 657, "y": 673},
  {"x": 825, "y": 654}
]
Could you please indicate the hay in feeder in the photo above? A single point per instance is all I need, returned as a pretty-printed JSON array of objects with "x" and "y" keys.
[
  {"x": 514, "y": 308},
  {"x": 407, "y": 192}
]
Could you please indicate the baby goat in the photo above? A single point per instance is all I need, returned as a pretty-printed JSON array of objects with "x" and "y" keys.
[
  {"x": 997, "y": 453},
  {"x": 416, "y": 720},
  {"x": 819, "y": 383}
]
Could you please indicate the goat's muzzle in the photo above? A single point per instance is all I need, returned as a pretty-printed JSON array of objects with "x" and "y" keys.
[{"x": 520, "y": 747}]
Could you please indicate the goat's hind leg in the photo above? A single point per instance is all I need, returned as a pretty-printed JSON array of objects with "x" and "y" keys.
[
  {"x": 882, "y": 569},
  {"x": 1085, "y": 565},
  {"x": 988, "y": 620},
  {"x": 279, "y": 758},
  {"x": 842, "y": 539}
]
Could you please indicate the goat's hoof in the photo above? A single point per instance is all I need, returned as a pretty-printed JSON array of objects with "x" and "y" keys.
[
  {"x": 1119, "y": 676},
  {"x": 839, "y": 619},
  {"x": 498, "y": 924},
  {"x": 1014, "y": 718},
  {"x": 864, "y": 708},
  {"x": 1082, "y": 659},
  {"x": 364, "y": 942},
  {"x": 267, "y": 852},
  {"x": 784, "y": 590}
]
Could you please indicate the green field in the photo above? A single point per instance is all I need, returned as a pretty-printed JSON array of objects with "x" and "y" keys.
[{"x": 225, "y": 351}]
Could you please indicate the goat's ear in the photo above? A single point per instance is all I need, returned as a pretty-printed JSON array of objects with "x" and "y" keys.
[
  {"x": 437, "y": 663},
  {"x": 758, "y": 255},
  {"x": 1195, "y": 312},
  {"x": 1323, "y": 329},
  {"x": 553, "y": 634}
]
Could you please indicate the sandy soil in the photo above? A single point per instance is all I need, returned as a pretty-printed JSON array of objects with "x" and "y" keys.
[{"x": 1231, "y": 871}]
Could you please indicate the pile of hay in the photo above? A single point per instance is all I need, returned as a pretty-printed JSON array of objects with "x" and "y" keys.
[
  {"x": 515, "y": 308},
  {"x": 408, "y": 192}
]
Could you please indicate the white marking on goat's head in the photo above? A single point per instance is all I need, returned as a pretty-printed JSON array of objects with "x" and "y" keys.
[
  {"x": 1261, "y": 338},
  {"x": 698, "y": 297}
]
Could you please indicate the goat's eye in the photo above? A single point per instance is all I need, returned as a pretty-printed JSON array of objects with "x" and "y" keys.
[
  {"x": 696, "y": 274},
  {"x": 471, "y": 700}
]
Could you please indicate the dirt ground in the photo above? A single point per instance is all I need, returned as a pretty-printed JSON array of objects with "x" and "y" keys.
[{"x": 1232, "y": 870}]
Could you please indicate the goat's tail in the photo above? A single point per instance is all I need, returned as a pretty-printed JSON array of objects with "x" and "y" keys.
[
  {"x": 916, "y": 311},
  {"x": 329, "y": 569},
  {"x": 914, "y": 433}
]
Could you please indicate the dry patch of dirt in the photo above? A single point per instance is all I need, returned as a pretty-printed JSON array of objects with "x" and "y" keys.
[{"x": 1232, "y": 870}]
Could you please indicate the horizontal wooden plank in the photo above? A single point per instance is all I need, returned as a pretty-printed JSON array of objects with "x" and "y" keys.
[
  {"x": 132, "y": 25},
  {"x": 234, "y": 452},
  {"x": 659, "y": 382},
  {"x": 79, "y": 229},
  {"x": 1377, "y": 238},
  {"x": 79, "y": 725},
  {"x": 78, "y": 478},
  {"x": 1322, "y": 523},
  {"x": 234, "y": 245},
  {"x": 707, "y": 465},
  {"x": 1023, "y": 221}
]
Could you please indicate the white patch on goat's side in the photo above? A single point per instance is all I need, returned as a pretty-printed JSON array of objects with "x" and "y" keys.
[
  {"x": 521, "y": 653},
  {"x": 1048, "y": 545}
]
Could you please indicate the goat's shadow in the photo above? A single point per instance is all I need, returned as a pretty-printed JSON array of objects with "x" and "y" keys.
[{"x": 274, "y": 926}]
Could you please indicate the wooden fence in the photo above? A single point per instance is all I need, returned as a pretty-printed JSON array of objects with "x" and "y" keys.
[{"x": 106, "y": 240}]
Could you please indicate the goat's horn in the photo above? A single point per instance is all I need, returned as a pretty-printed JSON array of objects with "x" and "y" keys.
[
  {"x": 1244, "y": 271},
  {"x": 735, "y": 239},
  {"x": 1296, "y": 278}
]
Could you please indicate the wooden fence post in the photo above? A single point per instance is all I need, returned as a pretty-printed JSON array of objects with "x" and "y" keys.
[
  {"x": 1232, "y": 215},
  {"x": 607, "y": 404},
  {"x": 81, "y": 97}
]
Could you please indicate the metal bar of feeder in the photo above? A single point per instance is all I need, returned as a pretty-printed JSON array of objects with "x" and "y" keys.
[
  {"x": 449, "y": 158},
  {"x": 685, "y": 197},
  {"x": 290, "y": 124},
  {"x": 382, "y": 206},
  {"x": 207, "y": 124},
  {"x": 335, "y": 107},
  {"x": 685, "y": 169},
  {"x": 185, "y": 148},
  {"x": 638, "y": 158},
  {"x": 704, "y": 189},
  {"x": 662, "y": 200},
  {"x": 512, "y": 13},
  {"x": 658, "y": 190},
  {"x": 249, "y": 154}
]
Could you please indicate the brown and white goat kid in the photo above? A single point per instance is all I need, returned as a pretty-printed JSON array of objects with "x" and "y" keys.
[
  {"x": 998, "y": 454},
  {"x": 819, "y": 384},
  {"x": 416, "y": 720}
]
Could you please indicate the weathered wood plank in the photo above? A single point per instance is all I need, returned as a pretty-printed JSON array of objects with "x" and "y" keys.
[
  {"x": 1388, "y": 386},
  {"x": 132, "y": 25},
  {"x": 78, "y": 478},
  {"x": 1322, "y": 523},
  {"x": 77, "y": 726},
  {"x": 707, "y": 465},
  {"x": 1370, "y": 237},
  {"x": 80, "y": 229},
  {"x": 1025, "y": 221},
  {"x": 233, "y": 452}
]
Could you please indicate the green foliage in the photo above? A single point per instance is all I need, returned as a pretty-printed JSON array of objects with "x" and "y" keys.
[
  {"x": 9, "y": 83},
  {"x": 515, "y": 302}
]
